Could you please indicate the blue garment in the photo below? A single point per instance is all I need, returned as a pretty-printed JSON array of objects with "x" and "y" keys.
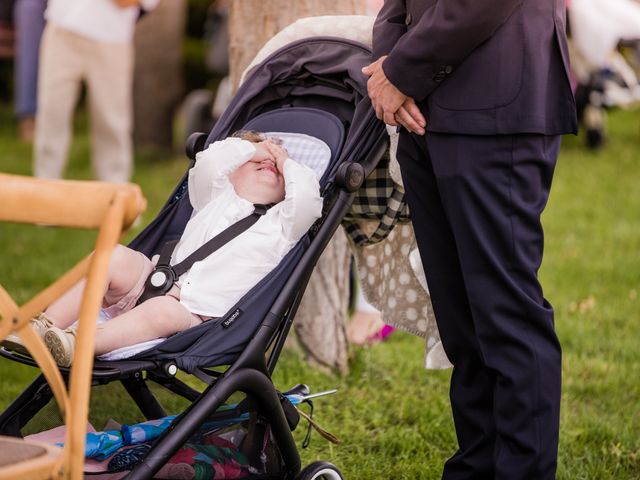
[
  {"x": 100, "y": 445},
  {"x": 29, "y": 24}
]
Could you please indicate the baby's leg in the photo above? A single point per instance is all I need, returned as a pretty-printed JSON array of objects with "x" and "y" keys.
[
  {"x": 125, "y": 267},
  {"x": 155, "y": 318}
]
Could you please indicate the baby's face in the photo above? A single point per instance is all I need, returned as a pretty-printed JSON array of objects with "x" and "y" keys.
[{"x": 260, "y": 180}]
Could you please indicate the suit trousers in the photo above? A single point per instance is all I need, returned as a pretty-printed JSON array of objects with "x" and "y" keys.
[
  {"x": 475, "y": 204},
  {"x": 67, "y": 61}
]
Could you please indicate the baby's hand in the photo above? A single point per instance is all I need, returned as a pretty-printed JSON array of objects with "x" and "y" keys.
[{"x": 279, "y": 154}]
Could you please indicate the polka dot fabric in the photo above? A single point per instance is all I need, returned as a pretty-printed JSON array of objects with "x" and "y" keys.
[{"x": 392, "y": 279}]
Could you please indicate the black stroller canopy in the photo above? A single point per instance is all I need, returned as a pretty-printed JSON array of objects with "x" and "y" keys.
[{"x": 322, "y": 72}]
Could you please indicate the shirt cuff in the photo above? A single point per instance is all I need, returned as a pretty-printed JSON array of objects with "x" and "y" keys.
[
  {"x": 245, "y": 147},
  {"x": 244, "y": 151},
  {"x": 293, "y": 170}
]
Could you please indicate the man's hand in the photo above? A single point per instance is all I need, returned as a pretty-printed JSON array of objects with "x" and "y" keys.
[
  {"x": 410, "y": 117},
  {"x": 385, "y": 97},
  {"x": 391, "y": 105}
]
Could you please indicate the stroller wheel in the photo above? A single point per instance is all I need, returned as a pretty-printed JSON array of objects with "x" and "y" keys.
[{"x": 320, "y": 471}]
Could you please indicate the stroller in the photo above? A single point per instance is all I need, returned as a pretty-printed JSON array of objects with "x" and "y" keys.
[{"x": 312, "y": 86}]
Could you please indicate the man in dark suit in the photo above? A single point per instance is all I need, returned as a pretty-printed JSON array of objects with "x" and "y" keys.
[{"x": 482, "y": 90}]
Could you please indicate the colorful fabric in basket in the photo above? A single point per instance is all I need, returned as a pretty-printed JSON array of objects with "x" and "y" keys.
[
  {"x": 101, "y": 445},
  {"x": 216, "y": 458},
  {"x": 127, "y": 458}
]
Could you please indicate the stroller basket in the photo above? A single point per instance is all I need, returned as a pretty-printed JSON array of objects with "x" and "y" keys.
[{"x": 234, "y": 442}]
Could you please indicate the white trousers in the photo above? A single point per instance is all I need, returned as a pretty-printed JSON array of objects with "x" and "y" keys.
[{"x": 67, "y": 61}]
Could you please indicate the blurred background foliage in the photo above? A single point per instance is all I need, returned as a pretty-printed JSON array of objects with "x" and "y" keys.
[{"x": 194, "y": 47}]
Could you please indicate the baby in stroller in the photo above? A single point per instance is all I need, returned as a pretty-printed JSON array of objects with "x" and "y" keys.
[{"x": 231, "y": 179}]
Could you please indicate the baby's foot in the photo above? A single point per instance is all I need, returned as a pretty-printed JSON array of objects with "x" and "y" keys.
[
  {"x": 40, "y": 324},
  {"x": 61, "y": 344}
]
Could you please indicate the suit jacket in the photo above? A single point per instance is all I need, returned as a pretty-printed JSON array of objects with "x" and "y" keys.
[{"x": 480, "y": 67}]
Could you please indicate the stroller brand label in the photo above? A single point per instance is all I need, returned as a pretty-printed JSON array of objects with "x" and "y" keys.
[{"x": 232, "y": 318}]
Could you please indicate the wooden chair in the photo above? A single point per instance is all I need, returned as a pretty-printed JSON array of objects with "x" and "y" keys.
[{"x": 110, "y": 209}]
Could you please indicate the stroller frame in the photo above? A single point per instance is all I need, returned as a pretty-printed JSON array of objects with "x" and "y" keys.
[{"x": 251, "y": 372}]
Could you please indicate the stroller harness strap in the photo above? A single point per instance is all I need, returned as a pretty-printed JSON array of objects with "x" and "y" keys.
[{"x": 164, "y": 275}]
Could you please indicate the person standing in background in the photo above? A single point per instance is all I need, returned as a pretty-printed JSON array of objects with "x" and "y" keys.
[
  {"x": 87, "y": 42},
  {"x": 7, "y": 39},
  {"x": 482, "y": 90},
  {"x": 28, "y": 20}
]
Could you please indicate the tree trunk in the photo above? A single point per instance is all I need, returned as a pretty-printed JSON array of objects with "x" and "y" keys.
[
  {"x": 253, "y": 22},
  {"x": 320, "y": 324},
  {"x": 158, "y": 84}
]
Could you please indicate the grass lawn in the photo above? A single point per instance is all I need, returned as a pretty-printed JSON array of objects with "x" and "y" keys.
[{"x": 392, "y": 415}]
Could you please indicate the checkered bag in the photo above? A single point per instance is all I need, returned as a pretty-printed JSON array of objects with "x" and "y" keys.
[{"x": 379, "y": 199}]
